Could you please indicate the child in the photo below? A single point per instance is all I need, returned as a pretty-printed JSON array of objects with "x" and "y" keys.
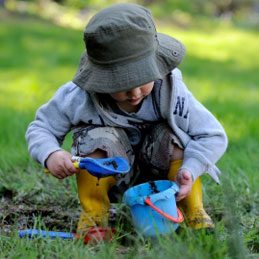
[{"x": 128, "y": 99}]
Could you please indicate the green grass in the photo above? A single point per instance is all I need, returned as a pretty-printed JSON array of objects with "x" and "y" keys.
[{"x": 221, "y": 68}]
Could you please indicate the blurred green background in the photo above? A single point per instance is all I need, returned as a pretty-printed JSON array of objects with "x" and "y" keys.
[{"x": 40, "y": 46}]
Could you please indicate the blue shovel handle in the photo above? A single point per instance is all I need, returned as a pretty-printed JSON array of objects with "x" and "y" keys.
[
  {"x": 101, "y": 167},
  {"x": 31, "y": 233}
]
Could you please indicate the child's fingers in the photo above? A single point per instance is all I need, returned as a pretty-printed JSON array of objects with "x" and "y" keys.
[
  {"x": 60, "y": 174},
  {"x": 187, "y": 176},
  {"x": 180, "y": 196},
  {"x": 184, "y": 178},
  {"x": 63, "y": 169},
  {"x": 69, "y": 168},
  {"x": 183, "y": 192}
]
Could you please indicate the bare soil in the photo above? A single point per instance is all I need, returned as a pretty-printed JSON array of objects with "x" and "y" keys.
[{"x": 23, "y": 216}]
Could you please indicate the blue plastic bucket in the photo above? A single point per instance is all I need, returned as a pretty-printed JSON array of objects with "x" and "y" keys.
[{"x": 153, "y": 207}]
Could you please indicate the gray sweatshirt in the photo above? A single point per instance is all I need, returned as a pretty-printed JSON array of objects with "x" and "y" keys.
[{"x": 202, "y": 136}]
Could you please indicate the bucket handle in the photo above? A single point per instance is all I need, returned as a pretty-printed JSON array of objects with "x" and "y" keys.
[{"x": 179, "y": 218}]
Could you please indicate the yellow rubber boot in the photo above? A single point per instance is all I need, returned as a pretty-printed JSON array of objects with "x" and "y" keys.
[
  {"x": 192, "y": 206},
  {"x": 93, "y": 196}
]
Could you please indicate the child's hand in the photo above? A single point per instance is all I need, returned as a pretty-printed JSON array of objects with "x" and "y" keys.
[
  {"x": 184, "y": 179},
  {"x": 60, "y": 165}
]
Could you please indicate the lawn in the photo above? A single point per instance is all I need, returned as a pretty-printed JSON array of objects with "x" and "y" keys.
[{"x": 221, "y": 68}]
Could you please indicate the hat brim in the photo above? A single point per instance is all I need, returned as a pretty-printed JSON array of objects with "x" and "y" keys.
[{"x": 123, "y": 77}]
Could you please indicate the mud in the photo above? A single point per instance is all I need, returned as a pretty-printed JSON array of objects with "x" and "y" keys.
[
  {"x": 15, "y": 216},
  {"x": 153, "y": 187},
  {"x": 113, "y": 163}
]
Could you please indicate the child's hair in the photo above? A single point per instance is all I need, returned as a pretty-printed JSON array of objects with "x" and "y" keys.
[{"x": 123, "y": 50}]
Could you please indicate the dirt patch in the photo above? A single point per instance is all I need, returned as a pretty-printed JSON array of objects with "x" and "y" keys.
[{"x": 23, "y": 216}]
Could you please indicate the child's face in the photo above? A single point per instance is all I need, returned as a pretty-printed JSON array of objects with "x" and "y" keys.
[{"x": 133, "y": 97}]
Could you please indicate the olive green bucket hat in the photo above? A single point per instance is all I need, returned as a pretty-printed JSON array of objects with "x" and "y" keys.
[{"x": 124, "y": 51}]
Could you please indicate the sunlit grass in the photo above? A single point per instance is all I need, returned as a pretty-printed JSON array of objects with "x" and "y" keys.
[{"x": 222, "y": 44}]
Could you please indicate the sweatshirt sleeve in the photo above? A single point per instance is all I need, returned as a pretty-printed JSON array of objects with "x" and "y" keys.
[
  {"x": 208, "y": 141},
  {"x": 202, "y": 136},
  {"x": 52, "y": 122}
]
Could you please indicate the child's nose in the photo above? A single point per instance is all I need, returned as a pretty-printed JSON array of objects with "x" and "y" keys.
[{"x": 135, "y": 92}]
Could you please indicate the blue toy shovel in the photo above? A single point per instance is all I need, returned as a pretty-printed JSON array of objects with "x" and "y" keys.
[
  {"x": 94, "y": 234},
  {"x": 30, "y": 233},
  {"x": 101, "y": 167}
]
